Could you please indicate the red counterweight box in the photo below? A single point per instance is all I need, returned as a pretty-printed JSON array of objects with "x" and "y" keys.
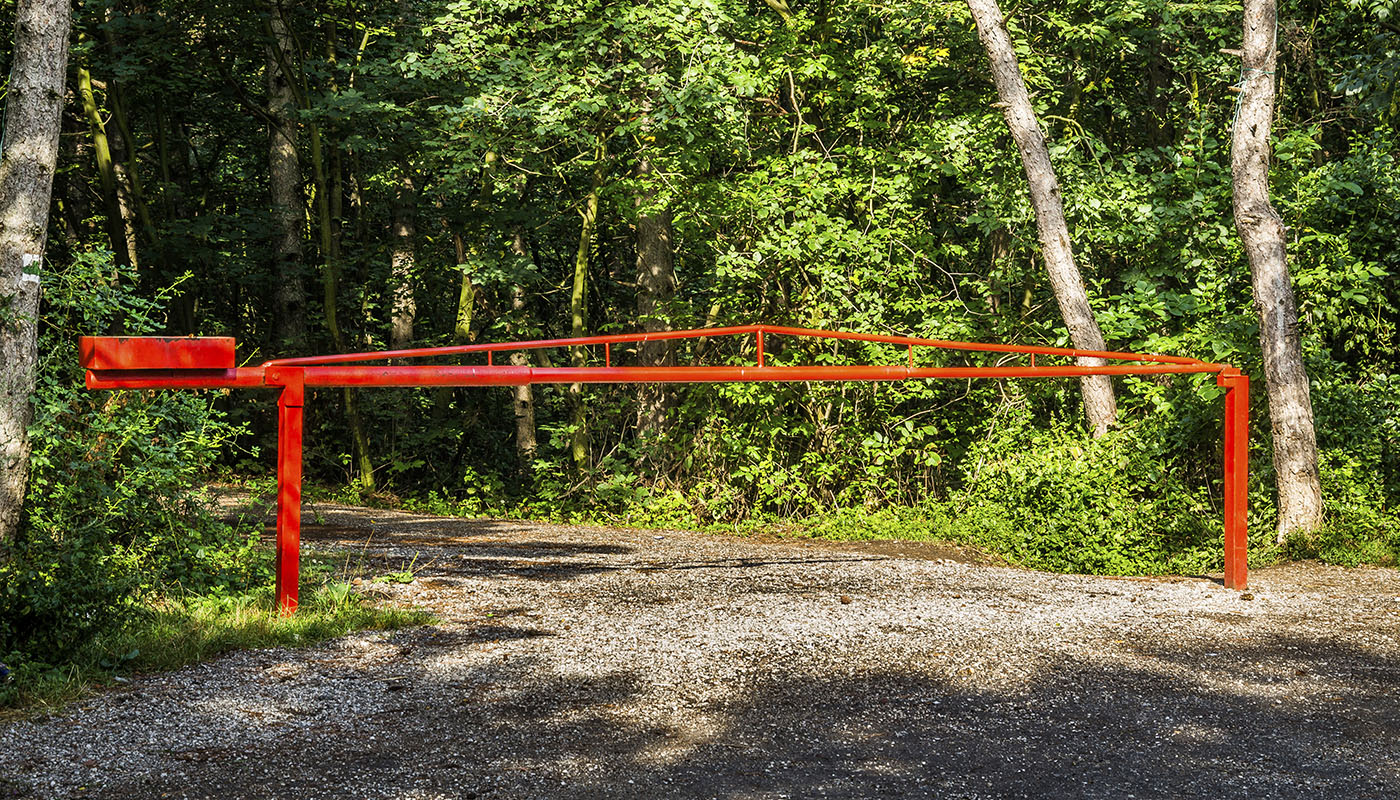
[{"x": 156, "y": 352}]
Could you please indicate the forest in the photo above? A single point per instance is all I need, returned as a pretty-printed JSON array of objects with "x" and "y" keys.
[{"x": 348, "y": 175}]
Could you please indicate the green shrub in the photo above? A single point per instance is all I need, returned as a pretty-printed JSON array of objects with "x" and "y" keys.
[
  {"x": 1060, "y": 500},
  {"x": 113, "y": 510}
]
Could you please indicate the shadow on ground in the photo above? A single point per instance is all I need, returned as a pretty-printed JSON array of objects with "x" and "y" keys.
[
  {"x": 517, "y": 729},
  {"x": 1300, "y": 715},
  {"x": 478, "y": 548}
]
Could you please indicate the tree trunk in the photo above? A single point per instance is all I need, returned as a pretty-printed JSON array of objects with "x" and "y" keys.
[
  {"x": 589, "y": 213},
  {"x": 284, "y": 176},
  {"x": 656, "y": 285},
  {"x": 1099, "y": 403},
  {"x": 106, "y": 170},
  {"x": 401, "y": 264},
  {"x": 116, "y": 99},
  {"x": 466, "y": 293},
  {"x": 126, "y": 198},
  {"x": 330, "y": 288},
  {"x": 523, "y": 397},
  {"x": 999, "y": 245},
  {"x": 782, "y": 8},
  {"x": 28, "y": 154},
  {"x": 1262, "y": 232}
]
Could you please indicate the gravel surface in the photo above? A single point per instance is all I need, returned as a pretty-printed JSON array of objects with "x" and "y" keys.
[{"x": 574, "y": 662}]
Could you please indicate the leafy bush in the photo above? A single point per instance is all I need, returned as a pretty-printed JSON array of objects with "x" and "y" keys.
[
  {"x": 113, "y": 509},
  {"x": 1056, "y": 499},
  {"x": 1116, "y": 505}
]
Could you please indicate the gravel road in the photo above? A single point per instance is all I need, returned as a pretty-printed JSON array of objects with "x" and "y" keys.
[{"x": 573, "y": 662}]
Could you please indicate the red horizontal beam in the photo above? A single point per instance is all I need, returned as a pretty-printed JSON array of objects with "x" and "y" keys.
[
  {"x": 241, "y": 378},
  {"x": 408, "y": 375},
  {"x": 705, "y": 333},
  {"x": 446, "y": 375}
]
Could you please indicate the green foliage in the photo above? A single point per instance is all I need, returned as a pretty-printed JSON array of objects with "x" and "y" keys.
[
  {"x": 1056, "y": 499},
  {"x": 113, "y": 512},
  {"x": 1117, "y": 505}
]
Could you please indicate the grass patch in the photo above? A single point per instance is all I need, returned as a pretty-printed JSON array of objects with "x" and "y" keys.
[{"x": 168, "y": 632}]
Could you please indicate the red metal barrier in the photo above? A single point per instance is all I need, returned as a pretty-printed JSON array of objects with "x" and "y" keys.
[{"x": 208, "y": 363}]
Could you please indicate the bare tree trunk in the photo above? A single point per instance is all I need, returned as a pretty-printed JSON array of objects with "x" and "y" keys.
[
  {"x": 129, "y": 168},
  {"x": 126, "y": 199},
  {"x": 1099, "y": 404},
  {"x": 284, "y": 176},
  {"x": 656, "y": 285},
  {"x": 782, "y": 8},
  {"x": 999, "y": 245},
  {"x": 330, "y": 272},
  {"x": 1262, "y": 231},
  {"x": 577, "y": 313},
  {"x": 466, "y": 291},
  {"x": 401, "y": 264},
  {"x": 401, "y": 253},
  {"x": 523, "y": 399},
  {"x": 28, "y": 154}
]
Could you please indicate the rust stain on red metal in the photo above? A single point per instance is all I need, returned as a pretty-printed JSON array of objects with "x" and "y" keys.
[{"x": 151, "y": 362}]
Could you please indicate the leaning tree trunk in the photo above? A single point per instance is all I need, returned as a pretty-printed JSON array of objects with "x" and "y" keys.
[
  {"x": 1065, "y": 280},
  {"x": 28, "y": 154},
  {"x": 106, "y": 171},
  {"x": 1261, "y": 229},
  {"x": 284, "y": 177},
  {"x": 656, "y": 285}
]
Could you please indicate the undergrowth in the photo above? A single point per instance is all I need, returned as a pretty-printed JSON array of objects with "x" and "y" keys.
[
  {"x": 1050, "y": 499},
  {"x": 121, "y": 563}
]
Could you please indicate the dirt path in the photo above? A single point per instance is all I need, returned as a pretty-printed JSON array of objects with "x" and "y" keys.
[{"x": 584, "y": 662}]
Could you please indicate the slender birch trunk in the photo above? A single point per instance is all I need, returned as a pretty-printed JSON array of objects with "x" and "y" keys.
[
  {"x": 1099, "y": 404},
  {"x": 28, "y": 155},
  {"x": 1262, "y": 231}
]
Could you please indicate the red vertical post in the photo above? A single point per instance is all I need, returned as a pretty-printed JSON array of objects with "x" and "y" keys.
[
  {"x": 1236, "y": 476},
  {"x": 290, "y": 414}
]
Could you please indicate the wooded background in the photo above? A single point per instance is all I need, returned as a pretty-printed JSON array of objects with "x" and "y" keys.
[{"x": 332, "y": 176}]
